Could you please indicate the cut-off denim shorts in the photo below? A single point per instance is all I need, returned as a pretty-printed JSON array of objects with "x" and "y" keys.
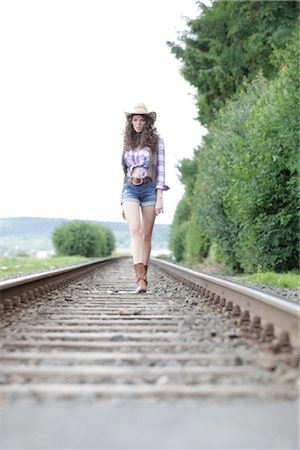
[{"x": 144, "y": 194}]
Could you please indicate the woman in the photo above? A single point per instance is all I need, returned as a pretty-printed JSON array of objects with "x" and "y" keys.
[{"x": 143, "y": 161}]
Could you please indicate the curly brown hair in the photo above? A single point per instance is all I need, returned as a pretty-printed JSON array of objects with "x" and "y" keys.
[{"x": 147, "y": 138}]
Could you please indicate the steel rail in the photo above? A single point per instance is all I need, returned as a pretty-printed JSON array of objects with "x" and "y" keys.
[
  {"x": 282, "y": 313},
  {"x": 80, "y": 341},
  {"x": 25, "y": 288}
]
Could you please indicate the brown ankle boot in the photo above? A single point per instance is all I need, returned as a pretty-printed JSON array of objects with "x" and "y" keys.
[{"x": 141, "y": 278}]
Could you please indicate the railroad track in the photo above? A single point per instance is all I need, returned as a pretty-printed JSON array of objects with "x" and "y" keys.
[{"x": 84, "y": 332}]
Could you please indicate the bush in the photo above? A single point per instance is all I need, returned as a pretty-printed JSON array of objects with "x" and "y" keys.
[
  {"x": 82, "y": 238},
  {"x": 110, "y": 240},
  {"x": 177, "y": 239},
  {"x": 247, "y": 182},
  {"x": 197, "y": 241}
]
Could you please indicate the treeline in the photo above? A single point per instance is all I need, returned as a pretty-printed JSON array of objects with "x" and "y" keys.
[{"x": 241, "y": 187}]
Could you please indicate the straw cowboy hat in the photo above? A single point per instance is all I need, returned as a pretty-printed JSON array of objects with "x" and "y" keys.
[{"x": 140, "y": 108}]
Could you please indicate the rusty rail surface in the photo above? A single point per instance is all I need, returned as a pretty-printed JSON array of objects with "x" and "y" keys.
[
  {"x": 274, "y": 311},
  {"x": 20, "y": 290}
]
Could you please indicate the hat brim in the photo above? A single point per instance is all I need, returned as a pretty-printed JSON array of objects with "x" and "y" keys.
[{"x": 151, "y": 114}]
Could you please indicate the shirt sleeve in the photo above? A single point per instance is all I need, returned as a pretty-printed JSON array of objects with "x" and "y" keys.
[{"x": 160, "y": 176}]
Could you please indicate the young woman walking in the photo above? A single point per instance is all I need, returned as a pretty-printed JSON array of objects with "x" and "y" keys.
[{"x": 143, "y": 161}]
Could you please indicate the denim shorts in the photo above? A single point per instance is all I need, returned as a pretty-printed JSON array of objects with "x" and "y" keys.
[{"x": 144, "y": 194}]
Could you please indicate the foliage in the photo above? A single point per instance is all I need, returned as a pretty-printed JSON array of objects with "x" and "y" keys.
[
  {"x": 228, "y": 42},
  {"x": 197, "y": 241},
  {"x": 110, "y": 240},
  {"x": 188, "y": 171},
  {"x": 247, "y": 182},
  {"x": 187, "y": 238},
  {"x": 82, "y": 238},
  {"x": 241, "y": 185},
  {"x": 177, "y": 239}
]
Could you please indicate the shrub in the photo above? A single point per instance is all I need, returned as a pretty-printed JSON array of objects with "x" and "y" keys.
[
  {"x": 247, "y": 182},
  {"x": 197, "y": 241},
  {"x": 82, "y": 238},
  {"x": 177, "y": 239},
  {"x": 110, "y": 240}
]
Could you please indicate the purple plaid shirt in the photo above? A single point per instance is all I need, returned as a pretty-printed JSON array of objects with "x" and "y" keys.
[{"x": 140, "y": 158}]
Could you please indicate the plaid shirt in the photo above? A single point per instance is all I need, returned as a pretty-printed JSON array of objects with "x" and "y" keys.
[{"x": 140, "y": 158}]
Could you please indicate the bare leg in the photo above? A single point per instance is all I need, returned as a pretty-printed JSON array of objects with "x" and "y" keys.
[
  {"x": 133, "y": 218},
  {"x": 148, "y": 218},
  {"x": 140, "y": 222}
]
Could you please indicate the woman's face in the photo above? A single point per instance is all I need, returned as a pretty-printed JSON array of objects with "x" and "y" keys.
[{"x": 138, "y": 123}]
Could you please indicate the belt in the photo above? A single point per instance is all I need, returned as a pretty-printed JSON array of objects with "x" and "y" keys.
[{"x": 138, "y": 181}]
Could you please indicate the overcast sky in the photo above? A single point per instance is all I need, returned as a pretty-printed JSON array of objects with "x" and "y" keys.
[{"x": 69, "y": 70}]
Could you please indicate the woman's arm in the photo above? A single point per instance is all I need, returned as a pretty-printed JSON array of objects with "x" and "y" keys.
[
  {"x": 160, "y": 180},
  {"x": 159, "y": 205}
]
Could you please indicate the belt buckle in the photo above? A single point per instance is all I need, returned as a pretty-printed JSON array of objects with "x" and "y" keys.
[{"x": 137, "y": 181}]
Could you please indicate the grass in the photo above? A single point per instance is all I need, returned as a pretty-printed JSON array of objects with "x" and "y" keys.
[
  {"x": 288, "y": 280},
  {"x": 24, "y": 264}
]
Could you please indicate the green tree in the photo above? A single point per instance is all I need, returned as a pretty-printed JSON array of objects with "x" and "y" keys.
[
  {"x": 82, "y": 238},
  {"x": 228, "y": 42},
  {"x": 187, "y": 175},
  {"x": 197, "y": 241},
  {"x": 177, "y": 238},
  {"x": 188, "y": 240},
  {"x": 247, "y": 180},
  {"x": 110, "y": 240},
  {"x": 264, "y": 198}
]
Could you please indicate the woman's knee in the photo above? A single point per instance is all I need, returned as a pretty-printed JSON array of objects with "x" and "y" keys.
[
  {"x": 147, "y": 236},
  {"x": 136, "y": 232}
]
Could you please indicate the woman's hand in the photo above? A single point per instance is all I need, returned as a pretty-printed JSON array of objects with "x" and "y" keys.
[{"x": 159, "y": 206}]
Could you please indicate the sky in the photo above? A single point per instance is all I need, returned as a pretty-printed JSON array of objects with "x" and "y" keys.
[{"x": 70, "y": 69}]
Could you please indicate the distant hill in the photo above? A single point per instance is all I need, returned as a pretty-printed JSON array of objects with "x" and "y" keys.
[{"x": 29, "y": 235}]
